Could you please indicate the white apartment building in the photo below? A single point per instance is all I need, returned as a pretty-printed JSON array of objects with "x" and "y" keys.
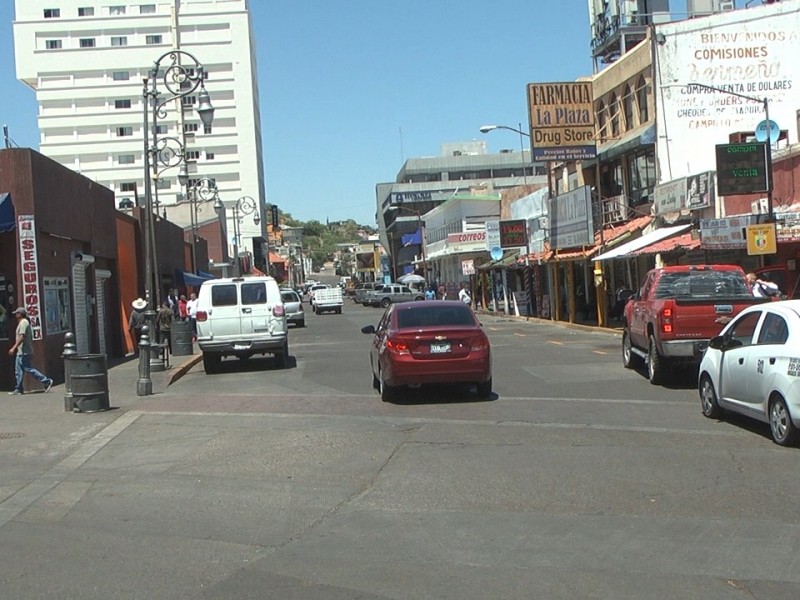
[{"x": 86, "y": 61}]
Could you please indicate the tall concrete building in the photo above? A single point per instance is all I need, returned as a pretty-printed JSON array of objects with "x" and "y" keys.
[{"x": 86, "y": 61}]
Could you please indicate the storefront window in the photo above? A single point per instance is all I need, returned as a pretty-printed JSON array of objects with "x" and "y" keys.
[
  {"x": 57, "y": 306},
  {"x": 642, "y": 176},
  {"x": 627, "y": 105}
]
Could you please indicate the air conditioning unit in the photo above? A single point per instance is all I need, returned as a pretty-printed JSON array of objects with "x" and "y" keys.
[
  {"x": 726, "y": 5},
  {"x": 760, "y": 206}
]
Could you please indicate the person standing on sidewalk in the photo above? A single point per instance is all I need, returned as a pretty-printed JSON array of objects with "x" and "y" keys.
[
  {"x": 164, "y": 323},
  {"x": 23, "y": 346},
  {"x": 191, "y": 308}
]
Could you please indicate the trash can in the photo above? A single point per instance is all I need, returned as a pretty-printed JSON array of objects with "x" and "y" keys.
[
  {"x": 86, "y": 382},
  {"x": 181, "y": 332}
]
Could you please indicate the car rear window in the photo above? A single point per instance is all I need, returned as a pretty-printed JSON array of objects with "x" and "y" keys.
[
  {"x": 434, "y": 316},
  {"x": 254, "y": 293},
  {"x": 289, "y": 297},
  {"x": 702, "y": 284},
  {"x": 223, "y": 295}
]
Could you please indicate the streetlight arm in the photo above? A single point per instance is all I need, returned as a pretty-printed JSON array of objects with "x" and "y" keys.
[
  {"x": 178, "y": 79},
  {"x": 488, "y": 128}
]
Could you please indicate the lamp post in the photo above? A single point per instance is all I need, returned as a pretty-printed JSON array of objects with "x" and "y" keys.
[
  {"x": 203, "y": 190},
  {"x": 161, "y": 154},
  {"x": 421, "y": 229},
  {"x": 246, "y": 205},
  {"x": 765, "y": 104},
  {"x": 488, "y": 128}
]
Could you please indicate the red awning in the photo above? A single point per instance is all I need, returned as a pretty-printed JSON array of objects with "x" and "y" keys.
[
  {"x": 683, "y": 242},
  {"x": 276, "y": 258}
]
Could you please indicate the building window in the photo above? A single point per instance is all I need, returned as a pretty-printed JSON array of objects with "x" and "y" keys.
[
  {"x": 613, "y": 110},
  {"x": 162, "y": 129},
  {"x": 147, "y": 9},
  {"x": 627, "y": 107},
  {"x": 120, "y": 76},
  {"x": 52, "y": 13},
  {"x": 190, "y": 127},
  {"x": 119, "y": 41},
  {"x": 163, "y": 184},
  {"x": 57, "y": 307},
  {"x": 641, "y": 176},
  {"x": 641, "y": 100},
  {"x": 601, "y": 122},
  {"x": 206, "y": 128},
  {"x": 122, "y": 104},
  {"x": 87, "y": 43},
  {"x": 126, "y": 159},
  {"x": 127, "y": 186},
  {"x": 152, "y": 40},
  {"x": 116, "y": 10},
  {"x": 86, "y": 11},
  {"x": 209, "y": 155},
  {"x": 192, "y": 154},
  {"x": 124, "y": 131},
  {"x": 52, "y": 44},
  {"x": 189, "y": 100}
]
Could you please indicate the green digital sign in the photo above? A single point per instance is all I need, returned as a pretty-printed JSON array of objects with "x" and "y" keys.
[{"x": 742, "y": 169}]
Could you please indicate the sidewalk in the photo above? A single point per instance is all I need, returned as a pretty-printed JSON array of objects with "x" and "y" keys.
[{"x": 615, "y": 328}]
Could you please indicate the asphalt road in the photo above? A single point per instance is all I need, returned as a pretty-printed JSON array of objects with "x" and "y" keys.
[{"x": 578, "y": 479}]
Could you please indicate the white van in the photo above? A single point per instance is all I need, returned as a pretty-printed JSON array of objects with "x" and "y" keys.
[{"x": 241, "y": 316}]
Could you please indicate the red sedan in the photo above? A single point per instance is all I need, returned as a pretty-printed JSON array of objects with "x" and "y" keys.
[{"x": 431, "y": 341}]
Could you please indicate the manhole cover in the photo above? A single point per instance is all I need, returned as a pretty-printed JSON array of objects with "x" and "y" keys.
[{"x": 8, "y": 435}]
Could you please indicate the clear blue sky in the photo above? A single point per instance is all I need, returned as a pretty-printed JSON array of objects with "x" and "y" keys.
[{"x": 352, "y": 88}]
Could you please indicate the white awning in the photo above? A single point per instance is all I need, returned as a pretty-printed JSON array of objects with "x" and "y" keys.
[{"x": 654, "y": 236}]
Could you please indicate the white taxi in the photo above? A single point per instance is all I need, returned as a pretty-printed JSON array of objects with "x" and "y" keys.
[{"x": 753, "y": 368}]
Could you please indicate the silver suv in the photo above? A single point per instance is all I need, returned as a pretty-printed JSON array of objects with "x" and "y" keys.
[
  {"x": 241, "y": 316},
  {"x": 392, "y": 294}
]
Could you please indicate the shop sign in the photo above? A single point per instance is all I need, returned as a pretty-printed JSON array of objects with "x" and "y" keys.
[
  {"x": 493, "y": 239},
  {"x": 725, "y": 234},
  {"x": 513, "y": 234},
  {"x": 789, "y": 227},
  {"x": 468, "y": 267},
  {"x": 761, "y": 239},
  {"x": 571, "y": 220},
  {"x": 670, "y": 197},
  {"x": 466, "y": 241},
  {"x": 562, "y": 121},
  {"x": 742, "y": 169},
  {"x": 29, "y": 267},
  {"x": 700, "y": 190}
]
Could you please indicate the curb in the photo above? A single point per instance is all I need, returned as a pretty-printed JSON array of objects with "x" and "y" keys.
[{"x": 180, "y": 370}]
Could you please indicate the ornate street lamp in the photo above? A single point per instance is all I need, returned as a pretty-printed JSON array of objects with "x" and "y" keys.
[
  {"x": 244, "y": 206},
  {"x": 160, "y": 154},
  {"x": 201, "y": 191}
]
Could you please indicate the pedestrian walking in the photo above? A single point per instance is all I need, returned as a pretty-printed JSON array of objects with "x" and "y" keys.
[
  {"x": 137, "y": 319},
  {"x": 23, "y": 346},
  {"x": 191, "y": 308},
  {"x": 164, "y": 324},
  {"x": 463, "y": 294}
]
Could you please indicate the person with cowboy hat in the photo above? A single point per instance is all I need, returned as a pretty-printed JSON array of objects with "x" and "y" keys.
[
  {"x": 137, "y": 319},
  {"x": 23, "y": 346}
]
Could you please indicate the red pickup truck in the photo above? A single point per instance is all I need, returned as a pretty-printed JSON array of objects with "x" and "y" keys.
[{"x": 677, "y": 310}]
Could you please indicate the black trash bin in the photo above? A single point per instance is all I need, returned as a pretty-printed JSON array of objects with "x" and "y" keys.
[
  {"x": 87, "y": 383},
  {"x": 181, "y": 332}
]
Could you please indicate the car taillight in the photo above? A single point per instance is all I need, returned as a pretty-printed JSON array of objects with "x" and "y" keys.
[
  {"x": 201, "y": 315},
  {"x": 278, "y": 311},
  {"x": 397, "y": 346},
  {"x": 666, "y": 320},
  {"x": 479, "y": 344}
]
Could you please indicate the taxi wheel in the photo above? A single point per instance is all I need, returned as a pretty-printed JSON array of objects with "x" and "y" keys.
[
  {"x": 784, "y": 433},
  {"x": 708, "y": 399}
]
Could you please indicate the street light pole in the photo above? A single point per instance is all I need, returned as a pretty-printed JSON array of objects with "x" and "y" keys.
[
  {"x": 246, "y": 205},
  {"x": 203, "y": 190},
  {"x": 179, "y": 81}
]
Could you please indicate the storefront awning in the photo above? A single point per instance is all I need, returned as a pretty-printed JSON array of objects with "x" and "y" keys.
[
  {"x": 642, "y": 242},
  {"x": 684, "y": 242},
  {"x": 191, "y": 279},
  {"x": 7, "y": 218}
]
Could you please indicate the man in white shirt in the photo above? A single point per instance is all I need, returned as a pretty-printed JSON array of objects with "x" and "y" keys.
[
  {"x": 191, "y": 308},
  {"x": 761, "y": 288},
  {"x": 463, "y": 294}
]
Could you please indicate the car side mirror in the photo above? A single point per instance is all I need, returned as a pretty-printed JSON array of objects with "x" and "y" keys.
[
  {"x": 368, "y": 329},
  {"x": 716, "y": 342}
]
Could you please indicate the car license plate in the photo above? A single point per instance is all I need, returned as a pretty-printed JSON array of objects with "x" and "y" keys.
[
  {"x": 441, "y": 348},
  {"x": 241, "y": 346}
]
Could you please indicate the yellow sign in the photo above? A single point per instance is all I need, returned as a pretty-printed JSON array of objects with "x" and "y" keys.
[
  {"x": 562, "y": 121},
  {"x": 761, "y": 239}
]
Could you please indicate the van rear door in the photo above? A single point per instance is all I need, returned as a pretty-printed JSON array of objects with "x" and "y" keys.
[
  {"x": 226, "y": 320},
  {"x": 255, "y": 311}
]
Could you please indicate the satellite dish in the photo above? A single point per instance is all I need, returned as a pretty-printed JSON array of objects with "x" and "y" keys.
[
  {"x": 496, "y": 253},
  {"x": 767, "y": 129}
]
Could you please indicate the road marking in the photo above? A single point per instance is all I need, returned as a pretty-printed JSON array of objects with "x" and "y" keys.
[
  {"x": 23, "y": 498},
  {"x": 599, "y": 352},
  {"x": 555, "y": 342},
  {"x": 521, "y": 334}
]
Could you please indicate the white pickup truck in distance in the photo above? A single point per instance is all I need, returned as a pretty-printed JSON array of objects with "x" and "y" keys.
[{"x": 328, "y": 300}]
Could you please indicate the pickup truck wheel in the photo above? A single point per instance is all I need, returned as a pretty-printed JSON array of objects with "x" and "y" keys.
[
  {"x": 784, "y": 433},
  {"x": 211, "y": 362},
  {"x": 708, "y": 398},
  {"x": 657, "y": 365},
  {"x": 385, "y": 302},
  {"x": 629, "y": 359}
]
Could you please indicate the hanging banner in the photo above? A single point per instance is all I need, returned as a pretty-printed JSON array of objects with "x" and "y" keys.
[{"x": 29, "y": 267}]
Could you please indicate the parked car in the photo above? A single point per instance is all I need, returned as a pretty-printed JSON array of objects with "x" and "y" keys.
[
  {"x": 293, "y": 306},
  {"x": 362, "y": 289},
  {"x": 241, "y": 316},
  {"x": 429, "y": 342},
  {"x": 753, "y": 368},
  {"x": 677, "y": 311},
  {"x": 392, "y": 294}
]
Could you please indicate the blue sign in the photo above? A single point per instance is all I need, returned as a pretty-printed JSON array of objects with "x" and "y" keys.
[
  {"x": 764, "y": 127},
  {"x": 496, "y": 253}
]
